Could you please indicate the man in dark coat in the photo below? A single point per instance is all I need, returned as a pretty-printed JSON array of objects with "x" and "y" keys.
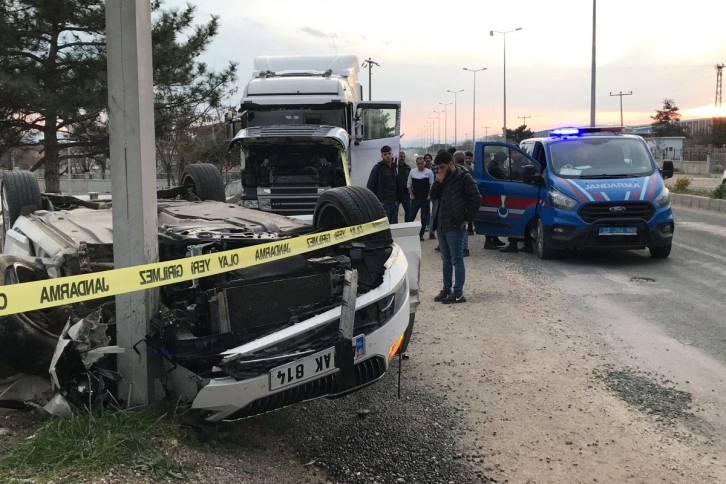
[
  {"x": 403, "y": 196},
  {"x": 383, "y": 181},
  {"x": 459, "y": 201}
]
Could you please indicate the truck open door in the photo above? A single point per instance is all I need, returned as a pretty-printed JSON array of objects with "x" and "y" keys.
[{"x": 376, "y": 124}]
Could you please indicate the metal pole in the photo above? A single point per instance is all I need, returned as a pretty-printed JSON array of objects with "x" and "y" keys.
[
  {"x": 455, "y": 115},
  {"x": 68, "y": 172},
  {"x": 592, "y": 73},
  {"x": 446, "y": 123},
  {"x": 504, "y": 73}
]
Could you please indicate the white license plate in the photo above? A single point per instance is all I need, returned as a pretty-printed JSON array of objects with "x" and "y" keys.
[
  {"x": 314, "y": 366},
  {"x": 618, "y": 231}
]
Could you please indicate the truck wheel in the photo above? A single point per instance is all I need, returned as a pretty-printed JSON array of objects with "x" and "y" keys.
[
  {"x": 205, "y": 181},
  {"x": 344, "y": 206},
  {"x": 660, "y": 252},
  {"x": 541, "y": 248},
  {"x": 20, "y": 193}
]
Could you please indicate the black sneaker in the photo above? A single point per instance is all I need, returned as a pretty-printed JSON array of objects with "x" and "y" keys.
[
  {"x": 420, "y": 237},
  {"x": 466, "y": 252},
  {"x": 437, "y": 249},
  {"x": 432, "y": 236},
  {"x": 451, "y": 299},
  {"x": 442, "y": 295},
  {"x": 470, "y": 232},
  {"x": 512, "y": 247}
]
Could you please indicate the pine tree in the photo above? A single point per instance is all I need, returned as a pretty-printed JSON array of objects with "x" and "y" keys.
[
  {"x": 667, "y": 120},
  {"x": 53, "y": 76}
]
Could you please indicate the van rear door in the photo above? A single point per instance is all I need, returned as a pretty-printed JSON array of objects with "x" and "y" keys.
[{"x": 507, "y": 203}]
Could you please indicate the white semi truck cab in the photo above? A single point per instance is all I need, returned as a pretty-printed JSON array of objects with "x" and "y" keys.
[{"x": 303, "y": 127}]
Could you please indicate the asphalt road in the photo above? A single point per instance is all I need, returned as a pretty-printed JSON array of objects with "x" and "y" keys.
[{"x": 667, "y": 316}]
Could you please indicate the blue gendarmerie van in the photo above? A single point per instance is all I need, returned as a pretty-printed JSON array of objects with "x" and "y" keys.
[{"x": 579, "y": 188}]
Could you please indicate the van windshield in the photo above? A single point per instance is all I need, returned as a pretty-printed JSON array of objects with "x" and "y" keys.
[{"x": 600, "y": 158}]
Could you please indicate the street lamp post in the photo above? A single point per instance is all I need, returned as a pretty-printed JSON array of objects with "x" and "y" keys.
[
  {"x": 473, "y": 117},
  {"x": 486, "y": 132},
  {"x": 439, "y": 121},
  {"x": 455, "y": 116},
  {"x": 446, "y": 123},
  {"x": 504, "y": 37}
]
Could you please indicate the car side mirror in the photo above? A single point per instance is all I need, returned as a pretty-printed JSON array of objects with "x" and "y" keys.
[
  {"x": 530, "y": 175},
  {"x": 667, "y": 170}
]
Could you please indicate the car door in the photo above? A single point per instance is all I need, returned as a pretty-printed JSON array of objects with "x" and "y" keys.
[
  {"x": 507, "y": 203},
  {"x": 376, "y": 124}
]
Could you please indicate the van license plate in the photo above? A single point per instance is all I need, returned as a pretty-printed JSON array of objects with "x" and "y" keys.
[
  {"x": 618, "y": 231},
  {"x": 313, "y": 366}
]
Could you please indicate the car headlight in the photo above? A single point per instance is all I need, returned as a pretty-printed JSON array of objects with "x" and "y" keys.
[
  {"x": 391, "y": 304},
  {"x": 560, "y": 200},
  {"x": 663, "y": 198}
]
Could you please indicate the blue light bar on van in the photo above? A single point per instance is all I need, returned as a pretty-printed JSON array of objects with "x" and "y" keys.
[{"x": 575, "y": 132}]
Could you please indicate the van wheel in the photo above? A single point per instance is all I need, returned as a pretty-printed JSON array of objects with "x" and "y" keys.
[
  {"x": 660, "y": 252},
  {"x": 541, "y": 248},
  {"x": 344, "y": 206},
  {"x": 205, "y": 181},
  {"x": 21, "y": 194}
]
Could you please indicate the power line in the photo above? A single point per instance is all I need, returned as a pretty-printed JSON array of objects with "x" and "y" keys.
[
  {"x": 524, "y": 119},
  {"x": 369, "y": 63}
]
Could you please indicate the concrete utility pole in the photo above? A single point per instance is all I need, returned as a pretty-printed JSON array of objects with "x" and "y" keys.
[
  {"x": 621, "y": 94},
  {"x": 369, "y": 63},
  {"x": 133, "y": 155},
  {"x": 455, "y": 116},
  {"x": 524, "y": 119}
]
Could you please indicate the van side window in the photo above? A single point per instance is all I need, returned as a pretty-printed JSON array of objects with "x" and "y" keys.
[{"x": 503, "y": 163}]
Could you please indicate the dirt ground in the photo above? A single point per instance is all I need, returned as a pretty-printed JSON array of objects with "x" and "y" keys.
[{"x": 545, "y": 395}]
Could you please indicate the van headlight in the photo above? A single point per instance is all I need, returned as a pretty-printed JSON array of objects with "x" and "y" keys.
[
  {"x": 663, "y": 198},
  {"x": 560, "y": 200}
]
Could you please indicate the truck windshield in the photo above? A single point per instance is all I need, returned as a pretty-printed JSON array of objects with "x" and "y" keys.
[
  {"x": 600, "y": 158},
  {"x": 298, "y": 115}
]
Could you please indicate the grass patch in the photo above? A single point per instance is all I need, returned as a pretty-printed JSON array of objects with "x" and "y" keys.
[{"x": 68, "y": 448}]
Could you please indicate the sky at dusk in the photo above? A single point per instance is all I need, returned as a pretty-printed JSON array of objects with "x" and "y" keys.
[{"x": 656, "y": 50}]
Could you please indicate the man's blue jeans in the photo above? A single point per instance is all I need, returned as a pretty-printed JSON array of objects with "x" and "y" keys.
[
  {"x": 425, "y": 206},
  {"x": 391, "y": 209},
  {"x": 451, "y": 245}
]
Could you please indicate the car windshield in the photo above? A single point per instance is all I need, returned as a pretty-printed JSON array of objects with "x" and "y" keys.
[{"x": 600, "y": 158}]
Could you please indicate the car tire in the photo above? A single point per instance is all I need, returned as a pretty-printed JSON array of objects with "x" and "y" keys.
[
  {"x": 351, "y": 205},
  {"x": 205, "y": 181},
  {"x": 660, "y": 252},
  {"x": 541, "y": 248},
  {"x": 20, "y": 194}
]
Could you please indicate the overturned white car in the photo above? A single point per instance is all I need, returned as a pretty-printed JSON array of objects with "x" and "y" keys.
[{"x": 241, "y": 343}]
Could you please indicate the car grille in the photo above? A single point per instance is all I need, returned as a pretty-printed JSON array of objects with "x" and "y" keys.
[
  {"x": 366, "y": 372},
  {"x": 602, "y": 211}
]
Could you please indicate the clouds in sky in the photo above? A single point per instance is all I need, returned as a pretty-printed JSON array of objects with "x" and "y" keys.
[{"x": 656, "y": 50}]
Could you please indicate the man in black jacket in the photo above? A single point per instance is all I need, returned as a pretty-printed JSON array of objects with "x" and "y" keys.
[
  {"x": 459, "y": 201},
  {"x": 383, "y": 181}
]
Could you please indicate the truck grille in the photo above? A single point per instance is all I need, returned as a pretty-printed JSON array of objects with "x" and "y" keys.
[
  {"x": 603, "y": 211},
  {"x": 366, "y": 371}
]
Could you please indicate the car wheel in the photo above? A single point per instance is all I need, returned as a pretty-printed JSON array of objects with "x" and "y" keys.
[
  {"x": 660, "y": 252},
  {"x": 20, "y": 194},
  {"x": 541, "y": 248},
  {"x": 205, "y": 181},
  {"x": 352, "y": 205}
]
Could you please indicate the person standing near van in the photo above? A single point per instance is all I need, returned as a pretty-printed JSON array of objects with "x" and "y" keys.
[
  {"x": 383, "y": 181},
  {"x": 403, "y": 196},
  {"x": 419, "y": 185},
  {"x": 460, "y": 160},
  {"x": 469, "y": 161},
  {"x": 459, "y": 200}
]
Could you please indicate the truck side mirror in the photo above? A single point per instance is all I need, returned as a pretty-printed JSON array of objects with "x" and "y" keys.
[
  {"x": 667, "y": 170},
  {"x": 358, "y": 131}
]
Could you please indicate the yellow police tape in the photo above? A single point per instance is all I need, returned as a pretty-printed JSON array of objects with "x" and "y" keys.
[{"x": 30, "y": 296}]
